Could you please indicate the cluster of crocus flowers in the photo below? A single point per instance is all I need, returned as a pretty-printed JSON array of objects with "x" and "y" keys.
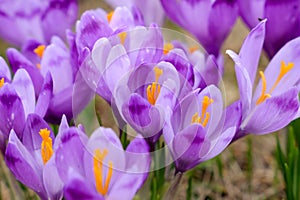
[{"x": 162, "y": 90}]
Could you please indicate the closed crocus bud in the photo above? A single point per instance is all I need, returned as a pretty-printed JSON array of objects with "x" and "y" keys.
[
  {"x": 209, "y": 21},
  {"x": 283, "y": 20},
  {"x": 35, "y": 19}
]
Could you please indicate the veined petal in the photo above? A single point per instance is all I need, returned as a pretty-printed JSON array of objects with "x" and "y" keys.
[
  {"x": 273, "y": 114},
  {"x": 4, "y": 70},
  {"x": 24, "y": 88},
  {"x": 23, "y": 165},
  {"x": 44, "y": 97}
]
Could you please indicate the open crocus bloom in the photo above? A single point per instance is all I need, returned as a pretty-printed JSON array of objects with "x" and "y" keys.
[
  {"x": 32, "y": 159},
  {"x": 199, "y": 129},
  {"x": 215, "y": 19},
  {"x": 275, "y": 101},
  {"x": 17, "y": 101},
  {"x": 99, "y": 168},
  {"x": 144, "y": 96},
  {"x": 35, "y": 19},
  {"x": 279, "y": 29}
]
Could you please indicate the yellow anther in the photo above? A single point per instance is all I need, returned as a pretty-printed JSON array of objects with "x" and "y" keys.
[
  {"x": 283, "y": 70},
  {"x": 153, "y": 90},
  {"x": 122, "y": 37},
  {"x": 193, "y": 49},
  {"x": 263, "y": 95},
  {"x": 168, "y": 47},
  {"x": 46, "y": 146},
  {"x": 98, "y": 171},
  {"x": 1, "y": 82},
  {"x": 204, "y": 118},
  {"x": 109, "y": 16},
  {"x": 39, "y": 50}
]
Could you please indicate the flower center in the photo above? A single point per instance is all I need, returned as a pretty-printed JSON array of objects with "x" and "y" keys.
[
  {"x": 46, "y": 146},
  {"x": 1, "y": 82},
  {"x": 168, "y": 47},
  {"x": 153, "y": 90},
  {"x": 109, "y": 16},
  {"x": 98, "y": 171},
  {"x": 284, "y": 69},
  {"x": 204, "y": 117}
]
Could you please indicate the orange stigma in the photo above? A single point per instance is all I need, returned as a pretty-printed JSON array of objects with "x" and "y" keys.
[
  {"x": 193, "y": 49},
  {"x": 122, "y": 37},
  {"x": 153, "y": 90},
  {"x": 1, "y": 82},
  {"x": 46, "y": 146},
  {"x": 204, "y": 118},
  {"x": 40, "y": 50},
  {"x": 284, "y": 69},
  {"x": 109, "y": 16},
  {"x": 168, "y": 47},
  {"x": 98, "y": 171}
]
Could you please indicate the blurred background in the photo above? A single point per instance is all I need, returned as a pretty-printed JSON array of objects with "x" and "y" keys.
[{"x": 246, "y": 170}]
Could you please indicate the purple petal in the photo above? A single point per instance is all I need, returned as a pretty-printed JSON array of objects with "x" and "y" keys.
[
  {"x": 187, "y": 146},
  {"x": 24, "y": 88},
  {"x": 251, "y": 49},
  {"x": 23, "y": 165},
  {"x": 12, "y": 111},
  {"x": 17, "y": 61},
  {"x": 4, "y": 70},
  {"x": 62, "y": 128},
  {"x": 69, "y": 155},
  {"x": 77, "y": 188},
  {"x": 273, "y": 114},
  {"x": 44, "y": 97},
  {"x": 52, "y": 182},
  {"x": 121, "y": 19}
]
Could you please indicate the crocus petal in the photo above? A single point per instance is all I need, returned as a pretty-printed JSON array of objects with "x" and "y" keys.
[
  {"x": 281, "y": 29},
  {"x": 121, "y": 19},
  {"x": 69, "y": 155},
  {"x": 45, "y": 96},
  {"x": 24, "y": 88},
  {"x": 12, "y": 111},
  {"x": 4, "y": 70},
  {"x": 273, "y": 114},
  {"x": 17, "y": 61},
  {"x": 62, "y": 128},
  {"x": 251, "y": 11},
  {"x": 77, "y": 188},
  {"x": 251, "y": 49},
  {"x": 23, "y": 165},
  {"x": 52, "y": 182},
  {"x": 244, "y": 83},
  {"x": 186, "y": 147},
  {"x": 289, "y": 54}
]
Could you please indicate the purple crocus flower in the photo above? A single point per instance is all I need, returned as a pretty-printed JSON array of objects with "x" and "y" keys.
[
  {"x": 210, "y": 21},
  {"x": 274, "y": 103},
  {"x": 62, "y": 64},
  {"x": 34, "y": 19},
  {"x": 199, "y": 129},
  {"x": 283, "y": 20},
  {"x": 151, "y": 10},
  {"x": 99, "y": 168},
  {"x": 32, "y": 159},
  {"x": 17, "y": 100}
]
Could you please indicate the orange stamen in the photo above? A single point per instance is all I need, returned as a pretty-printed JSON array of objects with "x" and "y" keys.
[
  {"x": 46, "y": 146},
  {"x": 153, "y": 90}
]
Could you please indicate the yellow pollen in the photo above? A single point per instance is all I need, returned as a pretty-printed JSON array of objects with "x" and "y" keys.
[
  {"x": 168, "y": 47},
  {"x": 193, "y": 49},
  {"x": 153, "y": 90},
  {"x": 204, "y": 118},
  {"x": 122, "y": 37},
  {"x": 38, "y": 66},
  {"x": 46, "y": 146},
  {"x": 284, "y": 69},
  {"x": 1, "y": 82},
  {"x": 98, "y": 171},
  {"x": 39, "y": 50},
  {"x": 109, "y": 16}
]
